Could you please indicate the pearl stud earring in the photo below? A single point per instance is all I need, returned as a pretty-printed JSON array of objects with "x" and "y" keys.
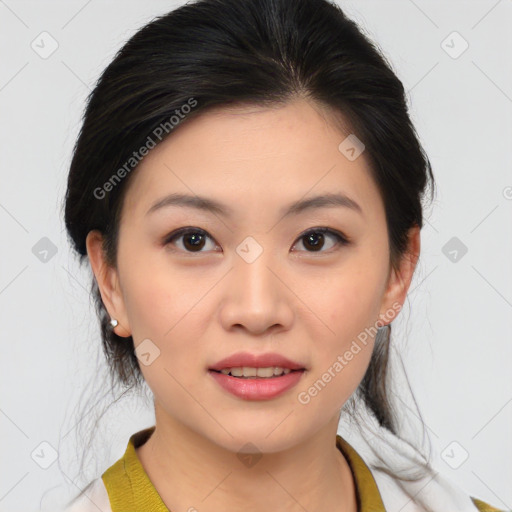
[{"x": 113, "y": 322}]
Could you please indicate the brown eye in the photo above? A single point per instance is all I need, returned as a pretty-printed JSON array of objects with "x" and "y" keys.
[
  {"x": 314, "y": 239},
  {"x": 193, "y": 239}
]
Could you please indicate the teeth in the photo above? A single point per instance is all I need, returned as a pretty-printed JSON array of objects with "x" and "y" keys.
[{"x": 256, "y": 372}]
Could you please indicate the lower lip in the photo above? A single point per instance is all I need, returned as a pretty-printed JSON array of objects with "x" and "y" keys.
[{"x": 257, "y": 388}]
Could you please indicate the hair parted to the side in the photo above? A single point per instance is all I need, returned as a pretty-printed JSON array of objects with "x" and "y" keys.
[{"x": 255, "y": 52}]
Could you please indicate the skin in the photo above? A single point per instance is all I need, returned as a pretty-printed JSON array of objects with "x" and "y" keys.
[{"x": 199, "y": 307}]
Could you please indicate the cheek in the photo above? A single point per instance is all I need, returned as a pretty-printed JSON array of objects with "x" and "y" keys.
[
  {"x": 151, "y": 306},
  {"x": 169, "y": 309},
  {"x": 348, "y": 306},
  {"x": 350, "y": 303},
  {"x": 158, "y": 300}
]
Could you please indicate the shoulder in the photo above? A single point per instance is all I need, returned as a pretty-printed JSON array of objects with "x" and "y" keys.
[
  {"x": 484, "y": 507},
  {"x": 93, "y": 498}
]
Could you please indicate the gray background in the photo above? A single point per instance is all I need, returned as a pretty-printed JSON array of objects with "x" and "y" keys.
[{"x": 454, "y": 333}]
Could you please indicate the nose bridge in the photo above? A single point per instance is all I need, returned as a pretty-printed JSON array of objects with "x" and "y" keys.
[
  {"x": 256, "y": 298},
  {"x": 252, "y": 268}
]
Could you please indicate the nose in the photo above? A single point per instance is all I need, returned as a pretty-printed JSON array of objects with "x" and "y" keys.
[{"x": 256, "y": 296}]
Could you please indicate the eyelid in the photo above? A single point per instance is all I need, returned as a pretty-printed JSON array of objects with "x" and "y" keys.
[{"x": 321, "y": 229}]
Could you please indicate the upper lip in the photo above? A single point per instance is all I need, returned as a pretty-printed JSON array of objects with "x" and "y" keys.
[{"x": 241, "y": 359}]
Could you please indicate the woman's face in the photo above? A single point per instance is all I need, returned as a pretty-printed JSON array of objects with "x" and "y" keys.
[{"x": 253, "y": 279}]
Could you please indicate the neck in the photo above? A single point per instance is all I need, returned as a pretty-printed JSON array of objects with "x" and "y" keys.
[{"x": 190, "y": 471}]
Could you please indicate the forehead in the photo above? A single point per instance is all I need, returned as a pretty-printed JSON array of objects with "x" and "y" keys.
[{"x": 252, "y": 154}]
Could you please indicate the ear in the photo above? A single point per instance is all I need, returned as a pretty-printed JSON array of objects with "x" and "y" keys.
[
  {"x": 399, "y": 281},
  {"x": 108, "y": 283}
]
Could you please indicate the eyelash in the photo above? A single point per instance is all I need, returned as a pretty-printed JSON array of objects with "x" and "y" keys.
[{"x": 342, "y": 239}]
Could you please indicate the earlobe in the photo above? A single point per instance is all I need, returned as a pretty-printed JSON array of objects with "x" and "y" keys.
[
  {"x": 400, "y": 281},
  {"x": 108, "y": 283}
]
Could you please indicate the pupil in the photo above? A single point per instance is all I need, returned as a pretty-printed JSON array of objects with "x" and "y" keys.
[
  {"x": 196, "y": 240},
  {"x": 314, "y": 238}
]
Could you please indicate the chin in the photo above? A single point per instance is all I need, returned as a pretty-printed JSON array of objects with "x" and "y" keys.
[{"x": 255, "y": 441}]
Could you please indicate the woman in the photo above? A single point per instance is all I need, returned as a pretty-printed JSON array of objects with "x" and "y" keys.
[{"x": 247, "y": 187}]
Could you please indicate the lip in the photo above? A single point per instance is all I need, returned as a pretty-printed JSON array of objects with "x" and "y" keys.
[
  {"x": 257, "y": 388},
  {"x": 241, "y": 359}
]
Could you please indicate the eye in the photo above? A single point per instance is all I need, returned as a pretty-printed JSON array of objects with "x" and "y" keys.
[
  {"x": 315, "y": 238},
  {"x": 194, "y": 239}
]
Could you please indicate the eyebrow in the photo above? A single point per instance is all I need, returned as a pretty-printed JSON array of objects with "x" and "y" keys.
[{"x": 209, "y": 205}]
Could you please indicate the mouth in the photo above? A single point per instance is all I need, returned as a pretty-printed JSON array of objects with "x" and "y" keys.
[
  {"x": 251, "y": 383},
  {"x": 250, "y": 365},
  {"x": 271, "y": 372}
]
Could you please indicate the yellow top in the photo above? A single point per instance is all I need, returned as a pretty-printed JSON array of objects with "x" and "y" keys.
[{"x": 130, "y": 490}]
